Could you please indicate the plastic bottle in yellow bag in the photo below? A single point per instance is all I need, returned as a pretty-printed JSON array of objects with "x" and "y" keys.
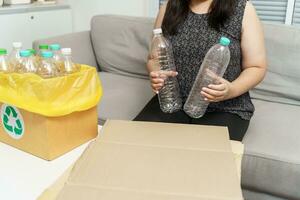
[
  {"x": 5, "y": 66},
  {"x": 57, "y": 56},
  {"x": 56, "y": 49},
  {"x": 69, "y": 67},
  {"x": 14, "y": 56},
  {"x": 42, "y": 48},
  {"x": 47, "y": 67},
  {"x": 34, "y": 56},
  {"x": 27, "y": 63}
]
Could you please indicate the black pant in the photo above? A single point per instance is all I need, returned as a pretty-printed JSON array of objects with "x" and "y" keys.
[{"x": 236, "y": 125}]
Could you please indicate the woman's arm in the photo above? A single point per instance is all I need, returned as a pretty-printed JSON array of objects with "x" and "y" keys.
[
  {"x": 254, "y": 61},
  {"x": 254, "y": 53}
]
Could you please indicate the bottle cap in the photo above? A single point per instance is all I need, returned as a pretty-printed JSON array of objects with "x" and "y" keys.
[
  {"x": 3, "y": 52},
  {"x": 17, "y": 44},
  {"x": 55, "y": 47},
  {"x": 157, "y": 31},
  {"x": 66, "y": 51},
  {"x": 47, "y": 54},
  {"x": 43, "y": 47},
  {"x": 224, "y": 41},
  {"x": 25, "y": 53},
  {"x": 32, "y": 51}
]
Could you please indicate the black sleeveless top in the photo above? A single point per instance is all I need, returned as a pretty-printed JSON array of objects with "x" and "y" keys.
[{"x": 191, "y": 43}]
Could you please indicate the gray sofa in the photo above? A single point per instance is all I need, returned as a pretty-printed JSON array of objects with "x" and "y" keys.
[{"x": 118, "y": 46}]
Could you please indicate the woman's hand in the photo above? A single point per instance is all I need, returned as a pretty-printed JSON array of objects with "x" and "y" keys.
[
  {"x": 158, "y": 78},
  {"x": 218, "y": 92}
]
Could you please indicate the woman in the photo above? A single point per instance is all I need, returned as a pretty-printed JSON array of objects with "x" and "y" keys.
[{"x": 193, "y": 27}]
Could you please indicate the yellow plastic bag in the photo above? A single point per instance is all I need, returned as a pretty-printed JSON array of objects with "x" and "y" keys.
[{"x": 52, "y": 97}]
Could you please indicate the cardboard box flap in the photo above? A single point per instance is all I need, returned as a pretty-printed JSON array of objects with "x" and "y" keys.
[
  {"x": 78, "y": 192},
  {"x": 210, "y": 138},
  {"x": 115, "y": 170}
]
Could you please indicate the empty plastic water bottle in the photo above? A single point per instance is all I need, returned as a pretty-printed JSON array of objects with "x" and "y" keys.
[
  {"x": 57, "y": 56},
  {"x": 5, "y": 66},
  {"x": 55, "y": 48},
  {"x": 169, "y": 96},
  {"x": 68, "y": 66},
  {"x": 42, "y": 48},
  {"x": 32, "y": 51},
  {"x": 214, "y": 65},
  {"x": 47, "y": 68},
  {"x": 14, "y": 57},
  {"x": 27, "y": 63},
  {"x": 34, "y": 56}
]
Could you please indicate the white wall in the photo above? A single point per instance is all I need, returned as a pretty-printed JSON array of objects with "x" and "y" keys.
[{"x": 84, "y": 10}]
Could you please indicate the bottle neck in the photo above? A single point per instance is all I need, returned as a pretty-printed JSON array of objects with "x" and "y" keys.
[
  {"x": 223, "y": 45},
  {"x": 31, "y": 58},
  {"x": 15, "y": 53},
  {"x": 24, "y": 58},
  {"x": 158, "y": 35},
  {"x": 56, "y": 51},
  {"x": 42, "y": 50},
  {"x": 67, "y": 57},
  {"x": 47, "y": 59},
  {"x": 2, "y": 58}
]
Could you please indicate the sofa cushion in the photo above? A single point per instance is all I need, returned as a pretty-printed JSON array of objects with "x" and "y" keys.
[
  {"x": 272, "y": 145},
  {"x": 79, "y": 42},
  {"x": 282, "y": 82},
  {"x": 250, "y": 195},
  {"x": 121, "y": 44},
  {"x": 123, "y": 97}
]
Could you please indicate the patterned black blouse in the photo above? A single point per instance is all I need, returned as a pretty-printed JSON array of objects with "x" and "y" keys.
[{"x": 190, "y": 45}]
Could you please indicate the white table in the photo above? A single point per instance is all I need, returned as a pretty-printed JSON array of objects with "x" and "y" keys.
[{"x": 25, "y": 177}]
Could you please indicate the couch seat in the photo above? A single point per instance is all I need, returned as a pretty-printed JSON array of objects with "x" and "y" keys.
[
  {"x": 272, "y": 161},
  {"x": 123, "y": 97}
]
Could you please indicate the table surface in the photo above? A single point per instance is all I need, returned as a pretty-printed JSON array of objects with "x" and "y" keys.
[{"x": 25, "y": 177}]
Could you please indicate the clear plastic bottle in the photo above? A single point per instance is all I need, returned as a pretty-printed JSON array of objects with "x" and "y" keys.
[
  {"x": 5, "y": 66},
  {"x": 68, "y": 66},
  {"x": 214, "y": 65},
  {"x": 57, "y": 56},
  {"x": 42, "y": 48},
  {"x": 32, "y": 51},
  {"x": 14, "y": 56},
  {"x": 56, "y": 49},
  {"x": 27, "y": 63},
  {"x": 47, "y": 68},
  {"x": 162, "y": 52},
  {"x": 34, "y": 56}
]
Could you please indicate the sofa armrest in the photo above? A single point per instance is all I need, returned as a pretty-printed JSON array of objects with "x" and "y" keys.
[{"x": 80, "y": 43}]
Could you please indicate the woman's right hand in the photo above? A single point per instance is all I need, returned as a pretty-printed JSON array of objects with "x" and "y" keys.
[{"x": 158, "y": 78}]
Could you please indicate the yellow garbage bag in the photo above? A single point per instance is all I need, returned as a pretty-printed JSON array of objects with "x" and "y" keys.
[{"x": 53, "y": 97}]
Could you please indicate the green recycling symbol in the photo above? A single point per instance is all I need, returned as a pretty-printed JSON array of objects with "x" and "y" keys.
[{"x": 12, "y": 121}]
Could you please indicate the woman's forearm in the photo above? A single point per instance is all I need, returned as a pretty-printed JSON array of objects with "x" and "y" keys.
[
  {"x": 247, "y": 80},
  {"x": 150, "y": 65}
]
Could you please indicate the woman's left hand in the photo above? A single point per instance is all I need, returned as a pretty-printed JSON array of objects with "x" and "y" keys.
[{"x": 218, "y": 92}]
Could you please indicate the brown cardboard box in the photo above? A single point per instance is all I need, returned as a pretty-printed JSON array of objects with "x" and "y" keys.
[
  {"x": 146, "y": 161},
  {"x": 46, "y": 137}
]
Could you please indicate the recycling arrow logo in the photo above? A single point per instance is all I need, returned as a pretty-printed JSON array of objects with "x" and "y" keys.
[{"x": 12, "y": 121}]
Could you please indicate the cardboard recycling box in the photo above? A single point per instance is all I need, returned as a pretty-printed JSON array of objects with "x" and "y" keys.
[
  {"x": 46, "y": 137},
  {"x": 155, "y": 161},
  {"x": 49, "y": 117}
]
